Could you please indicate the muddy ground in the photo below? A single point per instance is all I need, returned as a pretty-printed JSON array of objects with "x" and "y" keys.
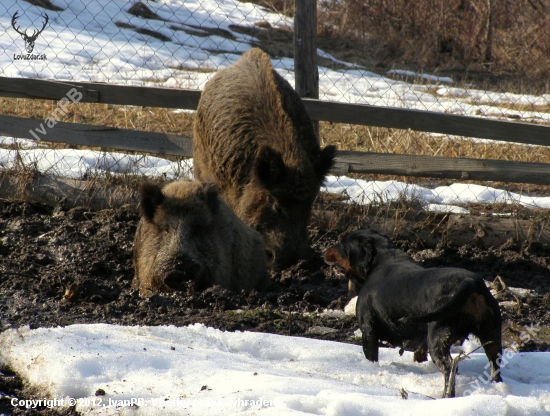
[{"x": 62, "y": 267}]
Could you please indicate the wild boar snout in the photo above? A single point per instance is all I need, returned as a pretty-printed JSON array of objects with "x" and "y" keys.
[{"x": 184, "y": 269}]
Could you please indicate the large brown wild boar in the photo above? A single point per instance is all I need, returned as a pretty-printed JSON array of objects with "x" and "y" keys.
[
  {"x": 255, "y": 140},
  {"x": 187, "y": 232}
]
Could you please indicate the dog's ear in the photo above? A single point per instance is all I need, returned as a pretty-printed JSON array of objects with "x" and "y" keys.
[{"x": 364, "y": 252}]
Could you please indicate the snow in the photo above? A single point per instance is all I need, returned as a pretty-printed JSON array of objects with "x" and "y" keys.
[
  {"x": 433, "y": 78},
  {"x": 77, "y": 164},
  {"x": 439, "y": 199},
  {"x": 206, "y": 371}
]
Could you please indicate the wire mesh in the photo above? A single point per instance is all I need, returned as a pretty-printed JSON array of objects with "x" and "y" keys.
[{"x": 480, "y": 58}]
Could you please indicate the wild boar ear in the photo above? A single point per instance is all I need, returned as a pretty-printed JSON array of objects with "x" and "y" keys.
[
  {"x": 325, "y": 161},
  {"x": 210, "y": 192},
  {"x": 150, "y": 198},
  {"x": 268, "y": 167}
]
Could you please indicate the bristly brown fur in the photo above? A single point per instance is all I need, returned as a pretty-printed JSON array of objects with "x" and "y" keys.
[
  {"x": 150, "y": 198},
  {"x": 188, "y": 233},
  {"x": 254, "y": 138}
]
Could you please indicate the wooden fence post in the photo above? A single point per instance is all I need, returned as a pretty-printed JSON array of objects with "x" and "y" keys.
[
  {"x": 305, "y": 51},
  {"x": 490, "y": 30}
]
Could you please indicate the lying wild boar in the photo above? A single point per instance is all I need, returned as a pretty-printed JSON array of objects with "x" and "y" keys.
[
  {"x": 255, "y": 140},
  {"x": 187, "y": 232}
]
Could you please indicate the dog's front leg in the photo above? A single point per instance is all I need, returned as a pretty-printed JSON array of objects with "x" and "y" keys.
[
  {"x": 370, "y": 343},
  {"x": 352, "y": 289}
]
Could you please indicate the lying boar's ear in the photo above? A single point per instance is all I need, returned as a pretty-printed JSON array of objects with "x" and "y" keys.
[
  {"x": 268, "y": 167},
  {"x": 325, "y": 161},
  {"x": 210, "y": 192},
  {"x": 150, "y": 198}
]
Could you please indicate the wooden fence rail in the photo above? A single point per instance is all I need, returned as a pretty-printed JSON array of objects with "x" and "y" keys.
[
  {"x": 399, "y": 118},
  {"x": 408, "y": 165},
  {"x": 442, "y": 167},
  {"x": 99, "y": 136}
]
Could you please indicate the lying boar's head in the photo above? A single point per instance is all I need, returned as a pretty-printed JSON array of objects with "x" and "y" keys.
[
  {"x": 279, "y": 199},
  {"x": 176, "y": 238}
]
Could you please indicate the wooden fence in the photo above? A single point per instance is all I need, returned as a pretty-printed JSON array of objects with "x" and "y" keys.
[{"x": 347, "y": 161}]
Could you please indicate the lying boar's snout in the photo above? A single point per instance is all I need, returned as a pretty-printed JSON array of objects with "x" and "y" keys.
[
  {"x": 286, "y": 253},
  {"x": 282, "y": 260},
  {"x": 306, "y": 252},
  {"x": 185, "y": 269}
]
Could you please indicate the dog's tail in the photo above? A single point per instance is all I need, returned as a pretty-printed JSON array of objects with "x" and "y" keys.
[{"x": 465, "y": 290}]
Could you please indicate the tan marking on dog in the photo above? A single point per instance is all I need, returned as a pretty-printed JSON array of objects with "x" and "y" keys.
[
  {"x": 476, "y": 306},
  {"x": 420, "y": 356},
  {"x": 332, "y": 256}
]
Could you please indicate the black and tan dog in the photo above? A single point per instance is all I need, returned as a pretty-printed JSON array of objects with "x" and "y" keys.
[{"x": 415, "y": 308}]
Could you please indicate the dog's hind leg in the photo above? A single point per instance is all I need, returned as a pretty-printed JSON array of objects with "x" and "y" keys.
[
  {"x": 370, "y": 343},
  {"x": 493, "y": 350},
  {"x": 491, "y": 339},
  {"x": 439, "y": 346},
  {"x": 485, "y": 313}
]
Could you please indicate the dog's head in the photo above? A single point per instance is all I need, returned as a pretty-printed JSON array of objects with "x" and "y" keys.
[{"x": 353, "y": 255}]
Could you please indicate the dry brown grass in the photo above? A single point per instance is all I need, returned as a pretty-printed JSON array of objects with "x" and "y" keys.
[
  {"x": 511, "y": 38},
  {"x": 396, "y": 141},
  {"x": 153, "y": 119},
  {"x": 508, "y": 43}
]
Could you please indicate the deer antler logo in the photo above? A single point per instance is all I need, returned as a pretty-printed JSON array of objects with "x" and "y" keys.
[{"x": 29, "y": 40}]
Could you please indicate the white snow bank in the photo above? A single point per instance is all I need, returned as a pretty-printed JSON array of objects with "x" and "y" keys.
[
  {"x": 374, "y": 192},
  {"x": 209, "y": 371}
]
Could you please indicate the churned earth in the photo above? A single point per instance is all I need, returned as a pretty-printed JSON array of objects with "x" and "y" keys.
[{"x": 61, "y": 267}]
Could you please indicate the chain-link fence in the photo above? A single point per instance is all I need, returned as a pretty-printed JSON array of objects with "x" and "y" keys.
[{"x": 480, "y": 58}]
